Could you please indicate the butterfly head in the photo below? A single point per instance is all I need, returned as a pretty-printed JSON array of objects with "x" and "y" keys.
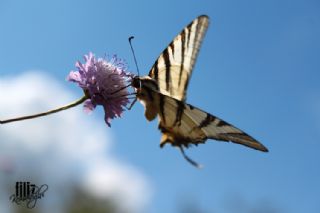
[{"x": 136, "y": 82}]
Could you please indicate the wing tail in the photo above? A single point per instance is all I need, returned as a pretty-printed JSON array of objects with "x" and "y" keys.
[{"x": 192, "y": 162}]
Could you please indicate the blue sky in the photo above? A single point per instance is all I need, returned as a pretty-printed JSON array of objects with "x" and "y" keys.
[{"x": 258, "y": 69}]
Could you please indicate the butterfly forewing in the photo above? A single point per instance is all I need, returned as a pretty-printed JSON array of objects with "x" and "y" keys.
[{"x": 173, "y": 68}]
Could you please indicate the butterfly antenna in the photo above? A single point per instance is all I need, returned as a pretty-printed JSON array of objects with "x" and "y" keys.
[
  {"x": 134, "y": 56},
  {"x": 199, "y": 166}
]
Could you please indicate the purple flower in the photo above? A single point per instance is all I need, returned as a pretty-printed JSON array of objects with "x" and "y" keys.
[{"x": 102, "y": 81}]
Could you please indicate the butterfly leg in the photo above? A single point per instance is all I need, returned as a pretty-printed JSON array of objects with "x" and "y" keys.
[
  {"x": 132, "y": 103},
  {"x": 125, "y": 95},
  {"x": 118, "y": 90}
]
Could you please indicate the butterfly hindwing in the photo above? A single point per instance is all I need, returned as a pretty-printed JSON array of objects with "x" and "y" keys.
[
  {"x": 173, "y": 68},
  {"x": 184, "y": 124}
]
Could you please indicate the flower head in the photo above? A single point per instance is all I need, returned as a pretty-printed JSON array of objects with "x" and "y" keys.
[{"x": 104, "y": 82}]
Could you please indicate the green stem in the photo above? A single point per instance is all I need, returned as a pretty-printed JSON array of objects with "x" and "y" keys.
[{"x": 81, "y": 100}]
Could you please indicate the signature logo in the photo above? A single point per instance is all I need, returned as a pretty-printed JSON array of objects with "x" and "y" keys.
[{"x": 28, "y": 193}]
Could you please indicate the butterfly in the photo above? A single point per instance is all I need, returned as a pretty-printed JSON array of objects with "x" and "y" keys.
[{"x": 163, "y": 94}]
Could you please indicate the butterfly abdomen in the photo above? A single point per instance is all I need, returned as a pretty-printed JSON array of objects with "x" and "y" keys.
[{"x": 171, "y": 136}]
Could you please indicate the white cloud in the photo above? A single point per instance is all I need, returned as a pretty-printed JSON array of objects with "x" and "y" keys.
[{"x": 61, "y": 150}]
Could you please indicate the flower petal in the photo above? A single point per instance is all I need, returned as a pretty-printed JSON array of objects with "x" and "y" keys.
[
  {"x": 88, "y": 106},
  {"x": 74, "y": 76}
]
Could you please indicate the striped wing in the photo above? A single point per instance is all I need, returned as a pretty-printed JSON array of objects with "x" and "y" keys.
[
  {"x": 183, "y": 124},
  {"x": 172, "y": 70}
]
